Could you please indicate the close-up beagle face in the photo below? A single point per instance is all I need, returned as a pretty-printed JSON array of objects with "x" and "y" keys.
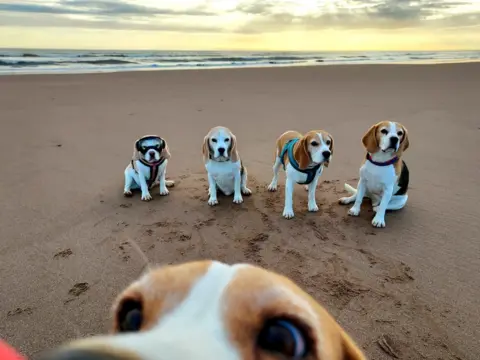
[
  {"x": 319, "y": 145},
  {"x": 220, "y": 144},
  {"x": 150, "y": 148},
  {"x": 208, "y": 310},
  {"x": 387, "y": 136}
]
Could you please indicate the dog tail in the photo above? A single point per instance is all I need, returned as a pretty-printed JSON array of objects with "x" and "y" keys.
[
  {"x": 350, "y": 189},
  {"x": 169, "y": 183}
]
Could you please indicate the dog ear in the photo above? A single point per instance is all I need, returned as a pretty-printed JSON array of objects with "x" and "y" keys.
[
  {"x": 165, "y": 151},
  {"x": 136, "y": 153},
  {"x": 405, "y": 143},
  {"x": 206, "y": 148},
  {"x": 370, "y": 139},
  {"x": 233, "y": 148},
  {"x": 300, "y": 151},
  {"x": 331, "y": 151}
]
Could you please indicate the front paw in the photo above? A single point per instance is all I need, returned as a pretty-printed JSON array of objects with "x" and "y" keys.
[
  {"x": 312, "y": 207},
  {"x": 345, "y": 200},
  {"x": 164, "y": 192},
  {"x": 238, "y": 199},
  {"x": 246, "y": 191},
  {"x": 378, "y": 221},
  {"x": 354, "y": 211},
  {"x": 272, "y": 187},
  {"x": 212, "y": 201},
  {"x": 146, "y": 197},
  {"x": 127, "y": 193},
  {"x": 288, "y": 213}
]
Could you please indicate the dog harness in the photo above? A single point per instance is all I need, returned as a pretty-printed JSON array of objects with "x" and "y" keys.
[
  {"x": 389, "y": 162},
  {"x": 288, "y": 149},
  {"x": 153, "y": 169}
]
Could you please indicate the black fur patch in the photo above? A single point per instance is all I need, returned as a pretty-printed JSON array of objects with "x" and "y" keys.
[{"x": 403, "y": 180}]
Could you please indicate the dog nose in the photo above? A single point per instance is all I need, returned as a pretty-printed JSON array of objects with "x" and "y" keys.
[
  {"x": 152, "y": 153},
  {"x": 77, "y": 354},
  {"x": 326, "y": 155},
  {"x": 394, "y": 140},
  {"x": 221, "y": 150}
]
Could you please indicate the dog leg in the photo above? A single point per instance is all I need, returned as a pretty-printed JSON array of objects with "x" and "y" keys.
[
  {"x": 127, "y": 190},
  {"x": 237, "y": 194},
  {"x": 276, "y": 167},
  {"x": 379, "y": 218},
  {"x": 312, "y": 187},
  {"x": 348, "y": 199},
  {"x": 361, "y": 189},
  {"x": 212, "y": 191},
  {"x": 163, "y": 186},
  {"x": 245, "y": 189},
  {"x": 288, "y": 209},
  {"x": 143, "y": 186}
]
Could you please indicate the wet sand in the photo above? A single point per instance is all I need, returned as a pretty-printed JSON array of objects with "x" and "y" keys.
[{"x": 65, "y": 225}]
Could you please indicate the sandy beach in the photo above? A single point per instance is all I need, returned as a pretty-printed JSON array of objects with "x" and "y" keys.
[{"x": 64, "y": 226}]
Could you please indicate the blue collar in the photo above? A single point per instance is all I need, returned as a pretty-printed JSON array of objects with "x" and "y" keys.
[
  {"x": 386, "y": 163},
  {"x": 288, "y": 150}
]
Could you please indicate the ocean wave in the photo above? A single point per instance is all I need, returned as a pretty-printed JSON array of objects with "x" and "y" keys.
[{"x": 23, "y": 63}]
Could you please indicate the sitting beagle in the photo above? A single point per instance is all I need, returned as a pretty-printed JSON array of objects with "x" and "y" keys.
[
  {"x": 207, "y": 310},
  {"x": 303, "y": 159},
  {"x": 384, "y": 176},
  {"x": 148, "y": 167},
  {"x": 224, "y": 168}
]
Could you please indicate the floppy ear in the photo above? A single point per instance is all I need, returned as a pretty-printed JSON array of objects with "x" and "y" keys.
[
  {"x": 351, "y": 351},
  {"x": 300, "y": 152},
  {"x": 233, "y": 148},
  {"x": 405, "y": 142},
  {"x": 206, "y": 148},
  {"x": 331, "y": 152},
  {"x": 370, "y": 139},
  {"x": 136, "y": 154},
  {"x": 165, "y": 152}
]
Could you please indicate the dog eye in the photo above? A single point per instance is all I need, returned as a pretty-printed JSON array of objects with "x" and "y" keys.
[
  {"x": 227, "y": 140},
  {"x": 384, "y": 131},
  {"x": 284, "y": 338},
  {"x": 400, "y": 133},
  {"x": 314, "y": 143},
  {"x": 130, "y": 316},
  {"x": 328, "y": 142},
  {"x": 214, "y": 140}
]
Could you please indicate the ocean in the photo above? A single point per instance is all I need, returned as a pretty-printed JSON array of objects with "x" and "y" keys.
[{"x": 35, "y": 61}]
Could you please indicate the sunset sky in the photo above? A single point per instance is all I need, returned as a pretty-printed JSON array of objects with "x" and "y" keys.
[{"x": 306, "y": 25}]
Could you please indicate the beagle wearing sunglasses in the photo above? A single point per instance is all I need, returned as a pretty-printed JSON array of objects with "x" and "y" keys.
[
  {"x": 303, "y": 158},
  {"x": 224, "y": 168},
  {"x": 209, "y": 310},
  {"x": 148, "y": 167},
  {"x": 384, "y": 176}
]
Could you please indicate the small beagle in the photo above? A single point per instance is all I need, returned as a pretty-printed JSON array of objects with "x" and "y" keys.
[
  {"x": 207, "y": 310},
  {"x": 224, "y": 168},
  {"x": 148, "y": 167},
  {"x": 303, "y": 158},
  {"x": 384, "y": 176}
]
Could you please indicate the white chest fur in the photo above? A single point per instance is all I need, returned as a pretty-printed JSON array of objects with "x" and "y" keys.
[
  {"x": 377, "y": 178},
  {"x": 223, "y": 173}
]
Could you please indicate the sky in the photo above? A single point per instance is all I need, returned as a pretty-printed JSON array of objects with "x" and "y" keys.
[{"x": 271, "y": 25}]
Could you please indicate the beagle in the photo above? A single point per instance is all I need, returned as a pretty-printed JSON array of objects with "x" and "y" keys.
[
  {"x": 224, "y": 168},
  {"x": 148, "y": 167},
  {"x": 206, "y": 310},
  {"x": 384, "y": 176},
  {"x": 303, "y": 158}
]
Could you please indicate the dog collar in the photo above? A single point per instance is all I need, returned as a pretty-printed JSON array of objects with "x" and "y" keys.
[
  {"x": 288, "y": 149},
  {"x": 153, "y": 169},
  {"x": 386, "y": 163}
]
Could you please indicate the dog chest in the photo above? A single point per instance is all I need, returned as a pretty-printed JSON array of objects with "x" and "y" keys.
[
  {"x": 224, "y": 174},
  {"x": 376, "y": 178}
]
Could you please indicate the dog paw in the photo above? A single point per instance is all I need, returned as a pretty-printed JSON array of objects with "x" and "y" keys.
[
  {"x": 288, "y": 214},
  {"x": 238, "y": 200},
  {"x": 305, "y": 187},
  {"x": 345, "y": 200},
  {"x": 272, "y": 187},
  {"x": 313, "y": 207},
  {"x": 127, "y": 193},
  {"x": 378, "y": 221},
  {"x": 164, "y": 192},
  {"x": 354, "y": 211},
  {"x": 246, "y": 191},
  {"x": 212, "y": 202},
  {"x": 146, "y": 197}
]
